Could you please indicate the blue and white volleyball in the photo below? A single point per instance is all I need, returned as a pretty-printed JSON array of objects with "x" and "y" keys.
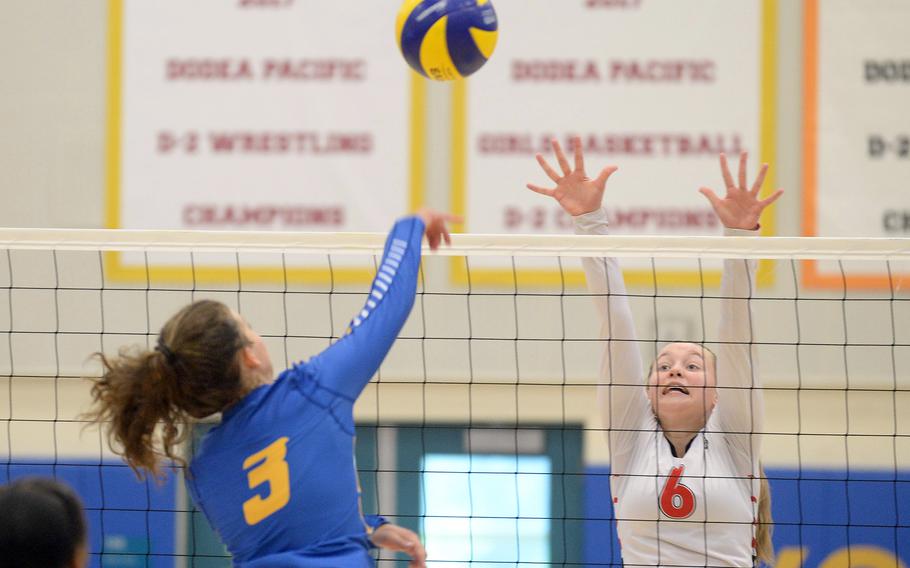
[{"x": 447, "y": 39}]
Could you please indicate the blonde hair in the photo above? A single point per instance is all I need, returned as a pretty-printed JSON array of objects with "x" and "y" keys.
[{"x": 764, "y": 548}]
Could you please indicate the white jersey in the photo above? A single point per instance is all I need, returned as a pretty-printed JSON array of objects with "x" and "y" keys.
[{"x": 699, "y": 509}]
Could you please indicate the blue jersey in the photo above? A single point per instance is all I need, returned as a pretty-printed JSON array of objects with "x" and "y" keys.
[{"x": 276, "y": 479}]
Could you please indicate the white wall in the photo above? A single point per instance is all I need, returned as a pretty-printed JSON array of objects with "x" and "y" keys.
[{"x": 52, "y": 105}]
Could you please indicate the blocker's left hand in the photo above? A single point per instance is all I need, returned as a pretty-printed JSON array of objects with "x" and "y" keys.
[
  {"x": 400, "y": 539},
  {"x": 740, "y": 208}
]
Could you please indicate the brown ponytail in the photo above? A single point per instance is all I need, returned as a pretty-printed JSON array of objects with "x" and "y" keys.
[
  {"x": 764, "y": 547},
  {"x": 192, "y": 373}
]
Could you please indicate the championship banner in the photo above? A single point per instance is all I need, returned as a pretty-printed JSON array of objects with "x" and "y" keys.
[
  {"x": 291, "y": 115},
  {"x": 656, "y": 87},
  {"x": 856, "y": 133}
]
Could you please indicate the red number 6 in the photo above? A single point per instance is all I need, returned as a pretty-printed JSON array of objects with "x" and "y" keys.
[{"x": 676, "y": 500}]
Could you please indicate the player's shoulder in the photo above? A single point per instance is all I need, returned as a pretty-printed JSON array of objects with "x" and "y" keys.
[
  {"x": 300, "y": 384},
  {"x": 300, "y": 376}
]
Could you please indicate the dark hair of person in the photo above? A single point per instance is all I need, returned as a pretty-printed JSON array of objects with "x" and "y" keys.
[
  {"x": 192, "y": 372},
  {"x": 41, "y": 524}
]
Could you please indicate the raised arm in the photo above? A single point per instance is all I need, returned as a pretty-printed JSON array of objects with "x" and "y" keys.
[
  {"x": 621, "y": 394},
  {"x": 348, "y": 365},
  {"x": 740, "y": 406}
]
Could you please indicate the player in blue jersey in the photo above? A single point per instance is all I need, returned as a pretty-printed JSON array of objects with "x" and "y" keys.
[{"x": 276, "y": 478}]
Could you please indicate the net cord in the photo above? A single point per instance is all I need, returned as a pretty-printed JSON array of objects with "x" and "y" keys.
[{"x": 820, "y": 248}]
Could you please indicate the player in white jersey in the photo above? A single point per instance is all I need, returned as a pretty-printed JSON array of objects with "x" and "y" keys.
[{"x": 685, "y": 475}]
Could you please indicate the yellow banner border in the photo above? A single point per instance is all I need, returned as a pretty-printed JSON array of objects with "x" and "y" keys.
[
  {"x": 117, "y": 270},
  {"x": 686, "y": 279}
]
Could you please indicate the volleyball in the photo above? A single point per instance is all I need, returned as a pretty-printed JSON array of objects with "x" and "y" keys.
[{"x": 447, "y": 40}]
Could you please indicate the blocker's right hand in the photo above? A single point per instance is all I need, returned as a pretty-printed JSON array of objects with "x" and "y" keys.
[
  {"x": 436, "y": 229},
  {"x": 575, "y": 192},
  {"x": 741, "y": 207}
]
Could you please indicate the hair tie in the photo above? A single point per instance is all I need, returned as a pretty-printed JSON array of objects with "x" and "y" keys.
[{"x": 169, "y": 355}]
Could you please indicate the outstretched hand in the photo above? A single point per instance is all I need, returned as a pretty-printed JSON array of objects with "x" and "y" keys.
[
  {"x": 575, "y": 192},
  {"x": 436, "y": 229},
  {"x": 740, "y": 208},
  {"x": 400, "y": 539}
]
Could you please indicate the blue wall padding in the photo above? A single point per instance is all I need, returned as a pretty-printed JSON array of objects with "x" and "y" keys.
[
  {"x": 812, "y": 508},
  {"x": 136, "y": 518}
]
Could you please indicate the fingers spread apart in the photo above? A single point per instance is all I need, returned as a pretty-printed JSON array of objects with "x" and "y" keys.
[
  {"x": 725, "y": 171},
  {"x": 541, "y": 190},
  {"x": 547, "y": 168},
  {"x": 561, "y": 157}
]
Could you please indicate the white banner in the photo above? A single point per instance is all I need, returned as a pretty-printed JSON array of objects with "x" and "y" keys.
[
  {"x": 857, "y": 131},
  {"x": 291, "y": 115},
  {"x": 657, "y": 87}
]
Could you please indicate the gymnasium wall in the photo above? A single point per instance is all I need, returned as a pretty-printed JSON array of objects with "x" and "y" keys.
[{"x": 53, "y": 159}]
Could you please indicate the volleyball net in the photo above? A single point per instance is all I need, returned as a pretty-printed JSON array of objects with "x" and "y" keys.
[{"x": 481, "y": 430}]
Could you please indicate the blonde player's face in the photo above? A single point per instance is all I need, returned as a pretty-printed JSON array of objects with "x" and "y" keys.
[{"x": 682, "y": 384}]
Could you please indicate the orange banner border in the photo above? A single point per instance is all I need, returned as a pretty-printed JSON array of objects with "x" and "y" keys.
[{"x": 811, "y": 276}]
